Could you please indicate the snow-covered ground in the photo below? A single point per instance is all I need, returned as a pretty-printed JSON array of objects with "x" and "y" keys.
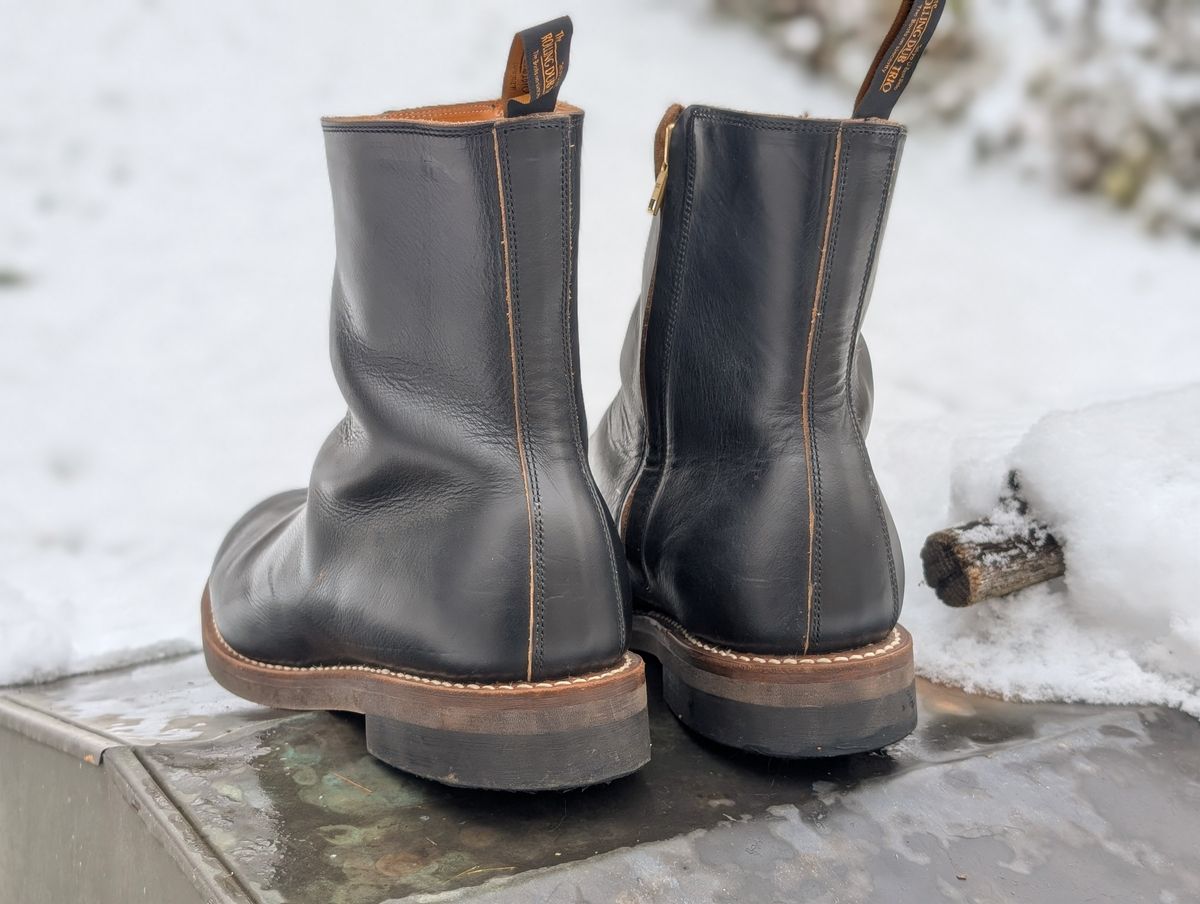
[
  {"x": 165, "y": 252},
  {"x": 1120, "y": 483}
]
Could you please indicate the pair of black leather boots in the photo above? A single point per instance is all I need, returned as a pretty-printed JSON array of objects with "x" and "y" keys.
[{"x": 459, "y": 573}]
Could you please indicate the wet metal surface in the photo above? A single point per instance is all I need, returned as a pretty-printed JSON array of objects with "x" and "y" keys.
[
  {"x": 161, "y": 702},
  {"x": 988, "y": 801},
  {"x": 71, "y": 832}
]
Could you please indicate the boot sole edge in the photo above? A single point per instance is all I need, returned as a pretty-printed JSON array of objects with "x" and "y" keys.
[
  {"x": 803, "y": 706},
  {"x": 515, "y": 736}
]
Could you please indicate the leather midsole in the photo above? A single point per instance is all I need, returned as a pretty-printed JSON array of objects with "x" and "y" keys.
[
  {"x": 518, "y": 707},
  {"x": 864, "y": 673}
]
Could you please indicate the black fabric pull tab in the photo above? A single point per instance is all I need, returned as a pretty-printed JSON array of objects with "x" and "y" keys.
[
  {"x": 537, "y": 64},
  {"x": 897, "y": 58}
]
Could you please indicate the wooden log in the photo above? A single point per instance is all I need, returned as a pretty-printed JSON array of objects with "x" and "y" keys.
[{"x": 994, "y": 556}]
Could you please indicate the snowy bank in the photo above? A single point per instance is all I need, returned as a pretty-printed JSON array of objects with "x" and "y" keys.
[{"x": 1119, "y": 486}]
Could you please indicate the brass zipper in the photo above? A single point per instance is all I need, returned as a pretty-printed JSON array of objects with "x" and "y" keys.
[
  {"x": 660, "y": 181},
  {"x": 662, "y": 145}
]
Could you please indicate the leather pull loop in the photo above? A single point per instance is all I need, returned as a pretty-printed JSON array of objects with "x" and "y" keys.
[
  {"x": 897, "y": 58},
  {"x": 537, "y": 65}
]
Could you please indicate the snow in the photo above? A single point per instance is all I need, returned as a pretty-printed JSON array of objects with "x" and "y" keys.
[
  {"x": 1119, "y": 483},
  {"x": 166, "y": 233}
]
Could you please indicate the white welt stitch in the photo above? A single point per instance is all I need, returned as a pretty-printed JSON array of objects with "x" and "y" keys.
[
  {"x": 626, "y": 663},
  {"x": 892, "y": 641}
]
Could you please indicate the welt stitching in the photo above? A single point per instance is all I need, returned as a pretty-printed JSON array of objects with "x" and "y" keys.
[
  {"x": 539, "y": 540},
  {"x": 680, "y": 256},
  {"x": 627, "y": 662},
  {"x": 851, "y": 382},
  {"x": 880, "y": 648},
  {"x": 832, "y": 251},
  {"x": 568, "y": 269}
]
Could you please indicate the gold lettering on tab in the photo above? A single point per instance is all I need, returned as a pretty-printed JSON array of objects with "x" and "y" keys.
[
  {"x": 899, "y": 65},
  {"x": 546, "y": 68}
]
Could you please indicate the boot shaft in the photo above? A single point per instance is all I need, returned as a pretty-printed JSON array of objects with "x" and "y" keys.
[
  {"x": 764, "y": 268},
  {"x": 454, "y": 285},
  {"x": 450, "y": 572},
  {"x": 455, "y": 344},
  {"x": 754, "y": 516},
  {"x": 451, "y": 525},
  {"x": 733, "y": 455}
]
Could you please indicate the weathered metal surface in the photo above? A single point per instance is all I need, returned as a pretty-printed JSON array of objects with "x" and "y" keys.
[
  {"x": 170, "y": 701},
  {"x": 170, "y": 830},
  {"x": 1103, "y": 811},
  {"x": 69, "y": 833},
  {"x": 50, "y": 731},
  {"x": 988, "y": 801}
]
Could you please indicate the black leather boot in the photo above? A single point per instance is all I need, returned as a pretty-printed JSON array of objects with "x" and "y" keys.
[
  {"x": 766, "y": 569},
  {"x": 451, "y": 570}
]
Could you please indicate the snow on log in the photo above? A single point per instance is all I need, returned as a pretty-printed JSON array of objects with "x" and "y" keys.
[{"x": 994, "y": 556}]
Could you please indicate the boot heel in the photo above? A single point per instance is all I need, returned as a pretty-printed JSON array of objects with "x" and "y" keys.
[
  {"x": 523, "y": 736},
  {"x": 788, "y": 706},
  {"x": 508, "y": 736}
]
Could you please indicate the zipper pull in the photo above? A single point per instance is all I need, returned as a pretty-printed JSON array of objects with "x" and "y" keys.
[{"x": 660, "y": 181}]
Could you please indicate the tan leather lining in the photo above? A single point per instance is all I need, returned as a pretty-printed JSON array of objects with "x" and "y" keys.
[{"x": 474, "y": 112}]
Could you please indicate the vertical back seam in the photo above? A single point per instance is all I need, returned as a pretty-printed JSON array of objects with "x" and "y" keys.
[
  {"x": 539, "y": 555},
  {"x": 519, "y": 429},
  {"x": 806, "y": 390}
]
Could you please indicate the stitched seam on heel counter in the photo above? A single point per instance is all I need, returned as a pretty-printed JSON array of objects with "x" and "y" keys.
[
  {"x": 819, "y": 499},
  {"x": 538, "y": 608},
  {"x": 568, "y": 198},
  {"x": 876, "y": 495},
  {"x": 505, "y": 242},
  {"x": 810, "y": 452}
]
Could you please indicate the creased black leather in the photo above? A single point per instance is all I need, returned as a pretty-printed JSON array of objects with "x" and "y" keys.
[
  {"x": 412, "y": 547},
  {"x": 711, "y": 475}
]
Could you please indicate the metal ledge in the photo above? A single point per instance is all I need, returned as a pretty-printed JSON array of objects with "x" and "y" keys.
[{"x": 203, "y": 797}]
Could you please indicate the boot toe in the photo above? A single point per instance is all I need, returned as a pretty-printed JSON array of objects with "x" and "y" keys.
[
  {"x": 234, "y": 572},
  {"x": 259, "y": 519}
]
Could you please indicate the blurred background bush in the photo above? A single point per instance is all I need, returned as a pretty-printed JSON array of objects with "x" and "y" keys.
[{"x": 1095, "y": 97}]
